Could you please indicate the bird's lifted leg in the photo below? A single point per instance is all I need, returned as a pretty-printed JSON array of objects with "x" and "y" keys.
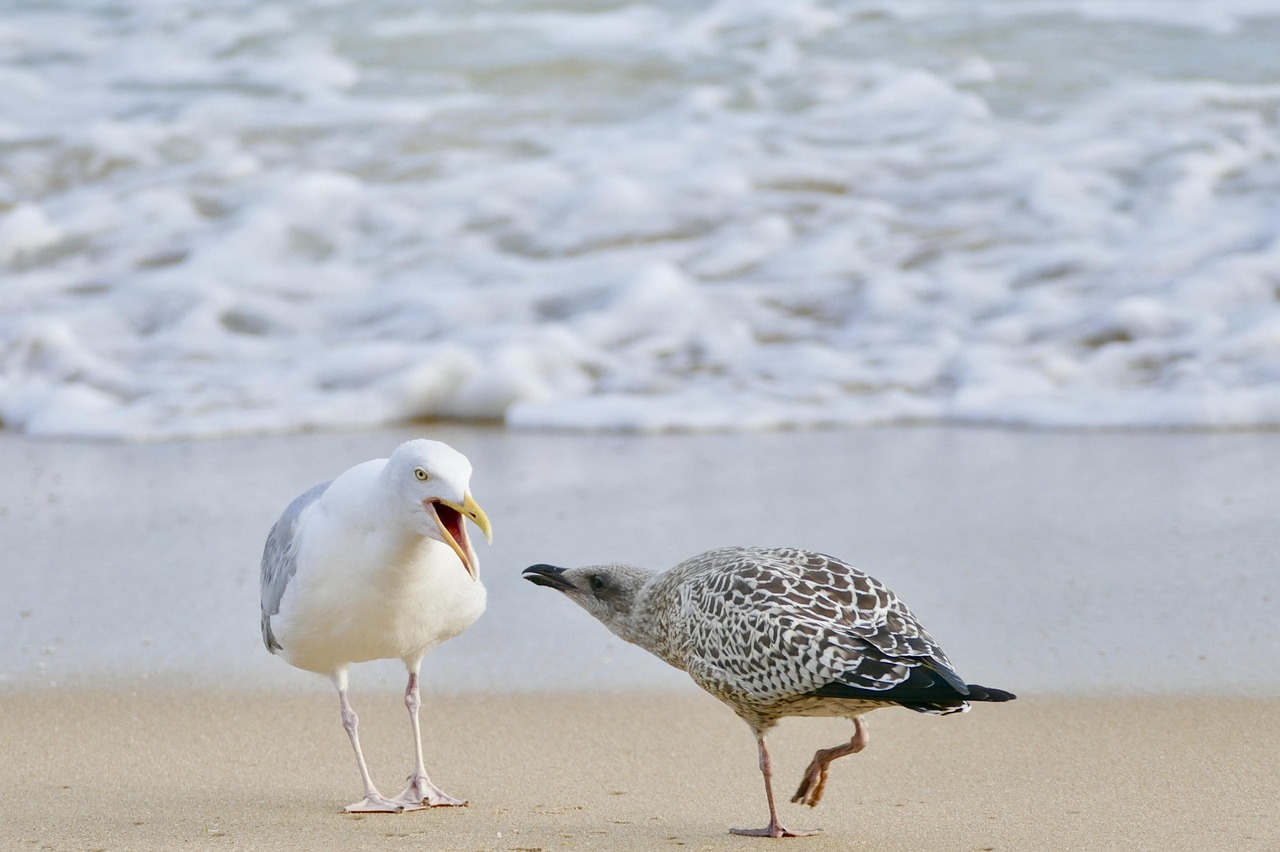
[
  {"x": 815, "y": 777},
  {"x": 420, "y": 793},
  {"x": 773, "y": 829},
  {"x": 373, "y": 801}
]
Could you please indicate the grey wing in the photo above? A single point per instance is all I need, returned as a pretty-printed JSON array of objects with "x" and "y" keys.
[
  {"x": 786, "y": 623},
  {"x": 279, "y": 560}
]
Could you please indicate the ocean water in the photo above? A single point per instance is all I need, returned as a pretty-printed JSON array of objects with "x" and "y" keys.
[{"x": 230, "y": 217}]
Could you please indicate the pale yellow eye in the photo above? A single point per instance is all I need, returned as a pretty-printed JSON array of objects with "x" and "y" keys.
[{"x": 421, "y": 474}]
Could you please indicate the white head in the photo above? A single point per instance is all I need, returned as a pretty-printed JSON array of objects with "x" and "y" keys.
[{"x": 431, "y": 483}]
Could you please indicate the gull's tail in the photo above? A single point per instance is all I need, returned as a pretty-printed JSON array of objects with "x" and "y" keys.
[
  {"x": 987, "y": 693},
  {"x": 925, "y": 690}
]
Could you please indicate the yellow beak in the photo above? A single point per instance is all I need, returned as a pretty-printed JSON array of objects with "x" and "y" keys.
[{"x": 472, "y": 510}]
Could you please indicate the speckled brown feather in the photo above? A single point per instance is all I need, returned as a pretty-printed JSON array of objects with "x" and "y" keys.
[{"x": 765, "y": 629}]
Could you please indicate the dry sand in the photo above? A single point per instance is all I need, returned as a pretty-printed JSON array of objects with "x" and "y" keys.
[{"x": 157, "y": 769}]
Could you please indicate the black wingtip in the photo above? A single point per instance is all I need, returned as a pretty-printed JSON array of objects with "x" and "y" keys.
[
  {"x": 547, "y": 575},
  {"x": 923, "y": 689},
  {"x": 988, "y": 693}
]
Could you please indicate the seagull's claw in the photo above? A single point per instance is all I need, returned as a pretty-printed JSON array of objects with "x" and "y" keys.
[
  {"x": 421, "y": 793},
  {"x": 444, "y": 800},
  {"x": 813, "y": 785},
  {"x": 375, "y": 805}
]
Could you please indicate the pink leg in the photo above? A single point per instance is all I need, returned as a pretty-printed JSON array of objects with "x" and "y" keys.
[
  {"x": 420, "y": 792},
  {"x": 774, "y": 828},
  {"x": 373, "y": 801},
  {"x": 815, "y": 777}
]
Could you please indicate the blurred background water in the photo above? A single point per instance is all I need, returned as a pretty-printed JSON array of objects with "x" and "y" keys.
[{"x": 228, "y": 217}]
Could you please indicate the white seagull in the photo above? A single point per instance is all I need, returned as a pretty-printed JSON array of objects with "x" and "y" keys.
[{"x": 376, "y": 565}]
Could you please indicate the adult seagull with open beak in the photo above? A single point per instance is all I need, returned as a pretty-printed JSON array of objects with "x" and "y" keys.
[{"x": 376, "y": 565}]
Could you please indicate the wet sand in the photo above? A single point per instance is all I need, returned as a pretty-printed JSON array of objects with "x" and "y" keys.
[
  {"x": 161, "y": 769},
  {"x": 1113, "y": 563}
]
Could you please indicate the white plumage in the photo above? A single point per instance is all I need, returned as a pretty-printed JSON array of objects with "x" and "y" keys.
[{"x": 376, "y": 564}]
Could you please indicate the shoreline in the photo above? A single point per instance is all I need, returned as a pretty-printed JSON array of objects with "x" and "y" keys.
[
  {"x": 1052, "y": 561},
  {"x": 1120, "y": 584}
]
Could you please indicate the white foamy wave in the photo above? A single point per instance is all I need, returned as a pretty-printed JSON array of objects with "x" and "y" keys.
[{"x": 234, "y": 217}]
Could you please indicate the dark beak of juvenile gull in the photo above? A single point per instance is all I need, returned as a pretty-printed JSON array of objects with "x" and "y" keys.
[
  {"x": 547, "y": 575},
  {"x": 450, "y": 518}
]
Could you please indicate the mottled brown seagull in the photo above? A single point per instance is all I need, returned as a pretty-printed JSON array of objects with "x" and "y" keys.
[
  {"x": 776, "y": 633},
  {"x": 376, "y": 565}
]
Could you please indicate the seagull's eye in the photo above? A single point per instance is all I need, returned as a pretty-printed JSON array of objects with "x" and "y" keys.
[
  {"x": 421, "y": 474},
  {"x": 597, "y": 582}
]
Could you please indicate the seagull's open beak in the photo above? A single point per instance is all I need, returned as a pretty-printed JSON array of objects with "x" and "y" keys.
[
  {"x": 450, "y": 518},
  {"x": 547, "y": 575}
]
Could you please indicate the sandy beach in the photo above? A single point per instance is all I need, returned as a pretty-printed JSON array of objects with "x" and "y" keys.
[
  {"x": 981, "y": 299},
  {"x": 1122, "y": 584},
  {"x": 156, "y": 769}
]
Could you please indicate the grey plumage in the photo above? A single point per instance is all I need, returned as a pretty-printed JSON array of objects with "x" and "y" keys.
[
  {"x": 279, "y": 560},
  {"x": 775, "y": 633}
]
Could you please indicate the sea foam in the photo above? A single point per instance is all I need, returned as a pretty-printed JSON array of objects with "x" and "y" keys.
[{"x": 222, "y": 218}]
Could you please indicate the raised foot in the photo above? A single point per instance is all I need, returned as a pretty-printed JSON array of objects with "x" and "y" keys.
[
  {"x": 776, "y": 830},
  {"x": 421, "y": 793},
  {"x": 374, "y": 805},
  {"x": 812, "y": 785}
]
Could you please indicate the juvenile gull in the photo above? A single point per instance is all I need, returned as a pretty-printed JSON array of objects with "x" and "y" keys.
[
  {"x": 376, "y": 565},
  {"x": 776, "y": 633}
]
